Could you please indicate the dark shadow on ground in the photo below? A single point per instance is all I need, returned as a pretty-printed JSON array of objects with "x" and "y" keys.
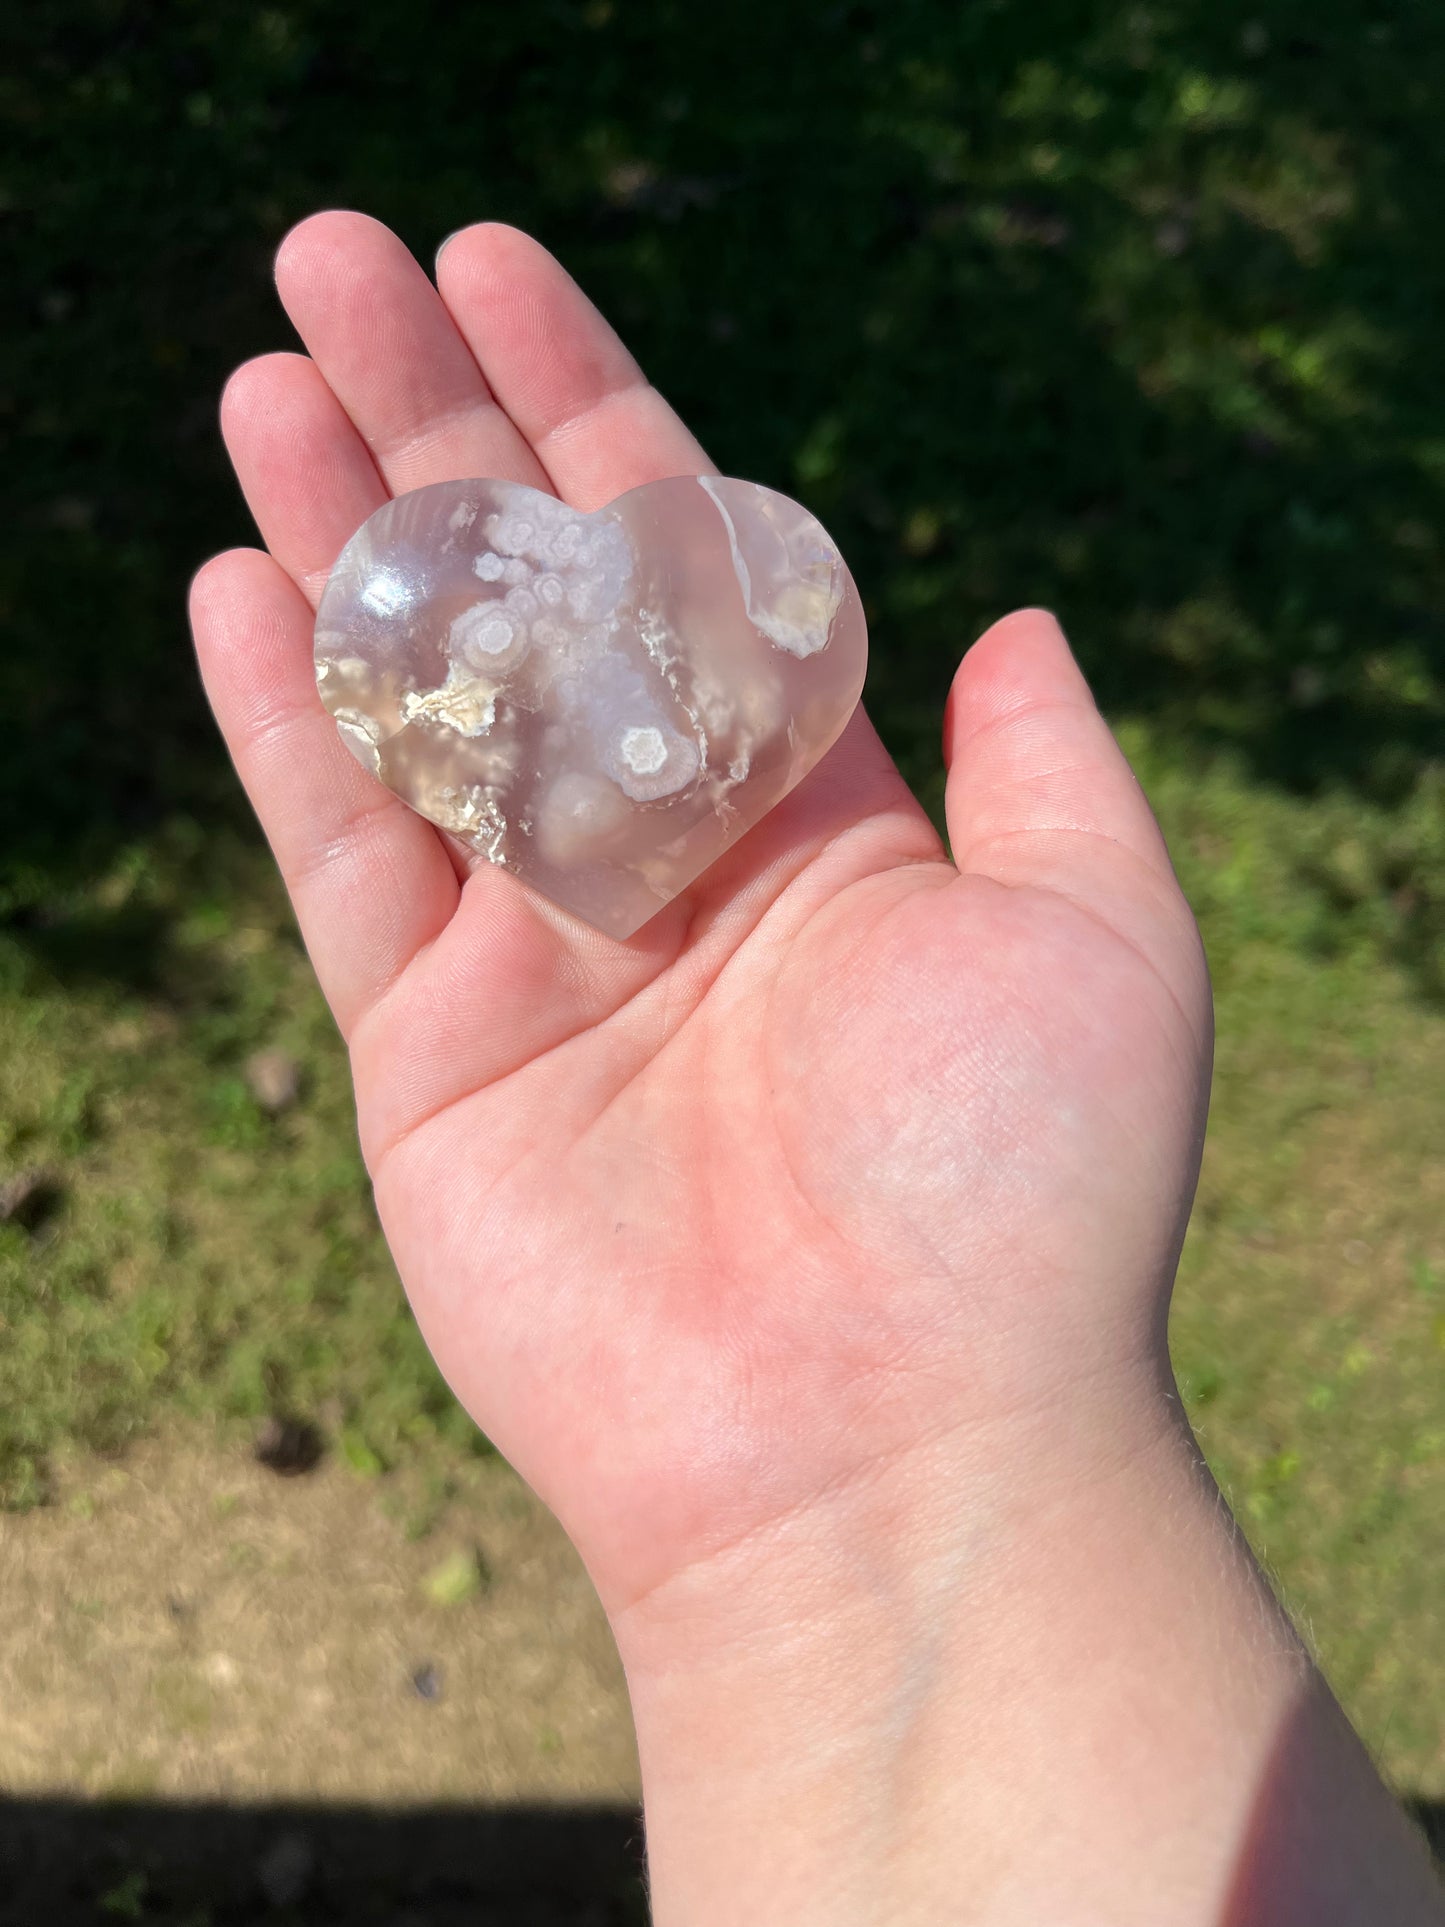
[
  {"x": 69, "y": 1863},
  {"x": 66, "y": 1863},
  {"x": 1429, "y": 1815}
]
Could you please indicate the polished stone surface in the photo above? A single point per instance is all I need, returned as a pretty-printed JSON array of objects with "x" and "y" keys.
[{"x": 602, "y": 703}]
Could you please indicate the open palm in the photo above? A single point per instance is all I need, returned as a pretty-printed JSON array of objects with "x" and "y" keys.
[{"x": 850, "y": 1151}]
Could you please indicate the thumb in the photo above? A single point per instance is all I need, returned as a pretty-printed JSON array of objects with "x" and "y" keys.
[
  {"x": 1034, "y": 775},
  {"x": 1040, "y": 796}
]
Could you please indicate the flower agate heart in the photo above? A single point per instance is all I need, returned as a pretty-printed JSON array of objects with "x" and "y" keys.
[{"x": 602, "y": 703}]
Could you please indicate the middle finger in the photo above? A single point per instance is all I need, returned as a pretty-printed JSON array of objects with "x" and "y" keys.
[{"x": 380, "y": 334}]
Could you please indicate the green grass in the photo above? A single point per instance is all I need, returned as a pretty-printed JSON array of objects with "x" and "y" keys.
[
  {"x": 204, "y": 1257},
  {"x": 1133, "y": 310}
]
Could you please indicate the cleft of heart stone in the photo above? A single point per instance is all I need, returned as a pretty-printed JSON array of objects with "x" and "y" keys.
[{"x": 600, "y": 703}]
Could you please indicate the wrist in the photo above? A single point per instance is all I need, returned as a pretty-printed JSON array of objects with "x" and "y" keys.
[
  {"x": 920, "y": 1540},
  {"x": 836, "y": 1687},
  {"x": 1026, "y": 1675}
]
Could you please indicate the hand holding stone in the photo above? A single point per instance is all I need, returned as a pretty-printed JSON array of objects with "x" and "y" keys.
[
  {"x": 854, "y": 1145},
  {"x": 809, "y": 1251}
]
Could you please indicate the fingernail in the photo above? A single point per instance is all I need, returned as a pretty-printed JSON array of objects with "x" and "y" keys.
[{"x": 447, "y": 243}]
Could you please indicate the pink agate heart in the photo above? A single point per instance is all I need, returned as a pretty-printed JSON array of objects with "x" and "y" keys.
[{"x": 602, "y": 703}]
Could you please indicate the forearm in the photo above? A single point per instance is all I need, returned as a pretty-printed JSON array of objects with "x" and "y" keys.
[{"x": 1072, "y": 1703}]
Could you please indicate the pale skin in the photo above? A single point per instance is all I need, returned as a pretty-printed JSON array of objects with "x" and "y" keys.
[{"x": 809, "y": 1253}]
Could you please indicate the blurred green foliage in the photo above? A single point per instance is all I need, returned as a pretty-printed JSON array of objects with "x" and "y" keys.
[
  {"x": 1128, "y": 309},
  {"x": 1133, "y": 310}
]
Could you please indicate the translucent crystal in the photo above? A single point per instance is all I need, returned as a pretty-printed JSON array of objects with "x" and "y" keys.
[{"x": 602, "y": 703}]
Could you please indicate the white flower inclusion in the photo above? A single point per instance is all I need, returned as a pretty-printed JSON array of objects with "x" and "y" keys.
[{"x": 643, "y": 750}]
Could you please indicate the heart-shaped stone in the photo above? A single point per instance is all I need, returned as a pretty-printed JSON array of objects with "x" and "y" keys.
[{"x": 602, "y": 703}]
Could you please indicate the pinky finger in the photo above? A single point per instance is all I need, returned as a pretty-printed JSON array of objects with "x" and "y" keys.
[{"x": 369, "y": 880}]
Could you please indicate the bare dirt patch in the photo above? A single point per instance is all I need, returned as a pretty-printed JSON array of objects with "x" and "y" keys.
[{"x": 186, "y": 1625}]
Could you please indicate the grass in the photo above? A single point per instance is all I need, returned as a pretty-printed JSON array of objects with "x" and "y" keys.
[
  {"x": 205, "y": 1256},
  {"x": 1130, "y": 310}
]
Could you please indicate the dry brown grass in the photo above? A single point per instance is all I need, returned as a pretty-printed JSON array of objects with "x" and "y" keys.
[{"x": 186, "y": 1624}]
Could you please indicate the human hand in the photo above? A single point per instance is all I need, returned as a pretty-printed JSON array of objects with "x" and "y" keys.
[
  {"x": 850, "y": 1149},
  {"x": 802, "y": 1248}
]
